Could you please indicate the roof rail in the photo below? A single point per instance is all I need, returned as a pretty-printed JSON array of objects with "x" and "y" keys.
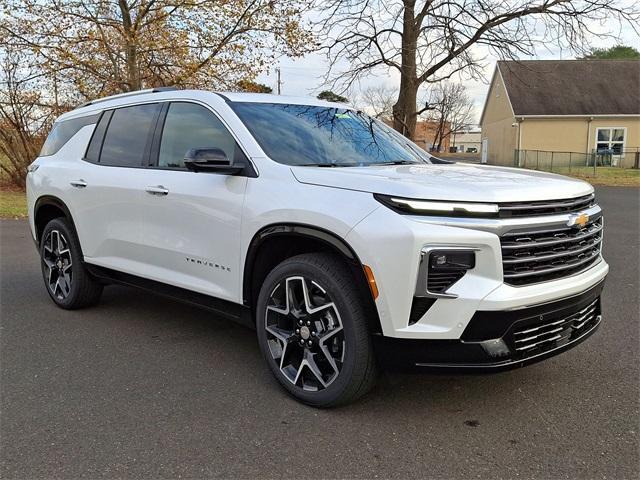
[{"x": 128, "y": 94}]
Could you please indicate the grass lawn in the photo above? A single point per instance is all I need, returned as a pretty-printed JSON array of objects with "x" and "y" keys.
[
  {"x": 13, "y": 204},
  {"x": 610, "y": 176}
]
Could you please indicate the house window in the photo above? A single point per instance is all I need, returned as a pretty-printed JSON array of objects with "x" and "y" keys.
[{"x": 610, "y": 140}]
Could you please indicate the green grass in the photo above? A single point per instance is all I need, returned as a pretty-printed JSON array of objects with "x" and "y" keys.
[
  {"x": 610, "y": 176},
  {"x": 4, "y": 180},
  {"x": 13, "y": 204}
]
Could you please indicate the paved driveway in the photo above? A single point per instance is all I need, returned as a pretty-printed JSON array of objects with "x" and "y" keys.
[{"x": 144, "y": 387}]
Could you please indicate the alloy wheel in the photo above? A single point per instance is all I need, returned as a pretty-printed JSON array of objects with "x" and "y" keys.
[
  {"x": 56, "y": 257},
  {"x": 304, "y": 333}
]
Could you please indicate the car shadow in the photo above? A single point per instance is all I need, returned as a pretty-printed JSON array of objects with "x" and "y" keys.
[{"x": 183, "y": 328}]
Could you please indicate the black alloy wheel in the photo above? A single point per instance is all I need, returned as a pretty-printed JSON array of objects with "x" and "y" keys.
[
  {"x": 312, "y": 330},
  {"x": 305, "y": 334}
]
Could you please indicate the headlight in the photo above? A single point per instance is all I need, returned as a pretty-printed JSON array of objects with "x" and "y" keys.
[{"x": 439, "y": 208}]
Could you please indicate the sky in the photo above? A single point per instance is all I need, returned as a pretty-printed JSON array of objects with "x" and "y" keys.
[{"x": 304, "y": 76}]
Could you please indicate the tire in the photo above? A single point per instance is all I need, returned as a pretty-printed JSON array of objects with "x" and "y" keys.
[
  {"x": 313, "y": 299},
  {"x": 65, "y": 276}
]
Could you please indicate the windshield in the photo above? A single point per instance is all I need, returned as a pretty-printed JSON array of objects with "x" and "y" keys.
[{"x": 325, "y": 136}]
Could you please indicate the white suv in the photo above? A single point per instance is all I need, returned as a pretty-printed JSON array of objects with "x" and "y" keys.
[{"x": 331, "y": 234}]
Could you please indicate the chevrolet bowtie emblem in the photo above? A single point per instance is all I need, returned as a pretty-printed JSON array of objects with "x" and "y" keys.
[{"x": 578, "y": 220}]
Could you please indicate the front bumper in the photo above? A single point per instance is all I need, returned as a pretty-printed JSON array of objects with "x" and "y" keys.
[
  {"x": 502, "y": 340},
  {"x": 394, "y": 254}
]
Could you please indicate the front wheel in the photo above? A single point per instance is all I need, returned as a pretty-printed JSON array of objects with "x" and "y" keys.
[{"x": 312, "y": 331}]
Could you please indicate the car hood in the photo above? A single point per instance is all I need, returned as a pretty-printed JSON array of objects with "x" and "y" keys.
[{"x": 459, "y": 181}]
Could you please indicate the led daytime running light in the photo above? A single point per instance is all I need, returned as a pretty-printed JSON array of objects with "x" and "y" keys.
[{"x": 444, "y": 207}]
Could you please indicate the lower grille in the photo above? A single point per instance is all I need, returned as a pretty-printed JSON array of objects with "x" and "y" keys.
[
  {"x": 530, "y": 337},
  {"x": 440, "y": 282},
  {"x": 539, "y": 256}
]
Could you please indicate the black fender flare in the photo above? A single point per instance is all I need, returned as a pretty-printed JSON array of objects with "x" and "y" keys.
[
  {"x": 327, "y": 237},
  {"x": 317, "y": 233}
]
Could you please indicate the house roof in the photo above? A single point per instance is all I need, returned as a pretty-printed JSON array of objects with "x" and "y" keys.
[{"x": 572, "y": 87}]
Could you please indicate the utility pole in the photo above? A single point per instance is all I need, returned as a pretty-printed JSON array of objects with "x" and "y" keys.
[{"x": 279, "y": 90}]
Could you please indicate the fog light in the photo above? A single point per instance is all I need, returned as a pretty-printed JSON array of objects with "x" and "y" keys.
[
  {"x": 454, "y": 260},
  {"x": 446, "y": 267}
]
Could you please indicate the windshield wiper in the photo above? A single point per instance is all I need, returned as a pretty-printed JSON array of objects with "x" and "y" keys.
[
  {"x": 397, "y": 162},
  {"x": 328, "y": 165}
]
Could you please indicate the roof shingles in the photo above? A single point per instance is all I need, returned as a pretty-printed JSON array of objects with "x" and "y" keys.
[{"x": 573, "y": 87}]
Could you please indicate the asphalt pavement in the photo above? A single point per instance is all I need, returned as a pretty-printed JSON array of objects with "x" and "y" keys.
[{"x": 144, "y": 387}]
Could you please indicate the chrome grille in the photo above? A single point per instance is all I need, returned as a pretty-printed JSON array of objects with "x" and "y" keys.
[
  {"x": 542, "y": 255},
  {"x": 547, "y": 207},
  {"x": 529, "y": 339}
]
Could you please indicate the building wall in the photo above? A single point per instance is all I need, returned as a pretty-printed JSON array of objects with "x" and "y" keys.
[
  {"x": 576, "y": 134},
  {"x": 465, "y": 140},
  {"x": 558, "y": 135},
  {"x": 497, "y": 125}
]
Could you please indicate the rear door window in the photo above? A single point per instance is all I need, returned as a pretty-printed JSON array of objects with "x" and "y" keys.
[{"x": 128, "y": 135}]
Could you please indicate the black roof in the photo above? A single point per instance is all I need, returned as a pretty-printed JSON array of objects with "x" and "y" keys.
[{"x": 573, "y": 87}]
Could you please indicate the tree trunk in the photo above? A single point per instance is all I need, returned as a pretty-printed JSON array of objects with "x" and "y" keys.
[
  {"x": 439, "y": 136},
  {"x": 443, "y": 134},
  {"x": 404, "y": 111},
  {"x": 131, "y": 49}
]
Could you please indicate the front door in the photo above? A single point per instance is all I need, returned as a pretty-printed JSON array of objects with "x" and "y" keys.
[{"x": 191, "y": 221}]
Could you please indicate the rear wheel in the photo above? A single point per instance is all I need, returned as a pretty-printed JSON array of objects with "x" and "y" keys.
[
  {"x": 68, "y": 283},
  {"x": 312, "y": 331}
]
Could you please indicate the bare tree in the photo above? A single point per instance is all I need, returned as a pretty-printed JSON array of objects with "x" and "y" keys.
[
  {"x": 452, "y": 111},
  {"x": 25, "y": 116},
  {"x": 427, "y": 41},
  {"x": 378, "y": 101}
]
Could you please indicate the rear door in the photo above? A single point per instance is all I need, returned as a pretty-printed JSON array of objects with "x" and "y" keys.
[
  {"x": 110, "y": 187},
  {"x": 191, "y": 221}
]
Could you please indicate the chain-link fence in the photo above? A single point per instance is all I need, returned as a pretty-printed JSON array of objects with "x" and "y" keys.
[{"x": 580, "y": 163}]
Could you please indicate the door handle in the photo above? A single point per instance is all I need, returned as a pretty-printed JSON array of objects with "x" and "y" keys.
[
  {"x": 157, "y": 190},
  {"x": 78, "y": 183}
]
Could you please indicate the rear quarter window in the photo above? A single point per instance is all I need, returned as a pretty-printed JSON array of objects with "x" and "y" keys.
[{"x": 62, "y": 132}]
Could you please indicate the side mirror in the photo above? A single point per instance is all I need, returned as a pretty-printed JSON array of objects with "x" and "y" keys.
[{"x": 211, "y": 160}]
